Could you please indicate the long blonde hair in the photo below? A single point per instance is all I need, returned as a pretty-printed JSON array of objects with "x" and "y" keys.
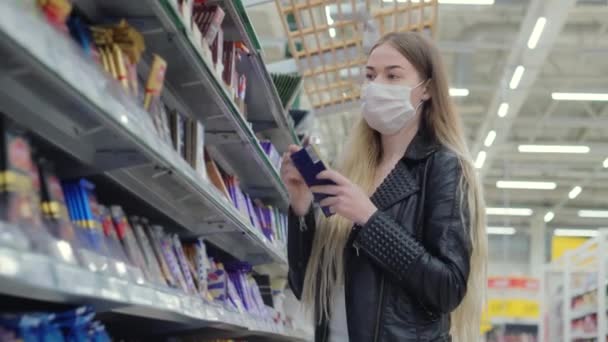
[{"x": 363, "y": 152}]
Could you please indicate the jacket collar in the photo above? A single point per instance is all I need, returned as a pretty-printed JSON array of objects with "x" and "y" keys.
[
  {"x": 401, "y": 182},
  {"x": 422, "y": 146}
]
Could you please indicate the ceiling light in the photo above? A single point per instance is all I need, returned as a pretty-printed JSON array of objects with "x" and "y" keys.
[
  {"x": 553, "y": 149},
  {"x": 549, "y": 216},
  {"x": 509, "y": 211},
  {"x": 467, "y": 2},
  {"x": 517, "y": 75},
  {"x": 330, "y": 21},
  {"x": 490, "y": 138},
  {"x": 605, "y": 163},
  {"x": 452, "y": 2},
  {"x": 575, "y": 192},
  {"x": 580, "y": 96},
  {"x": 503, "y": 109},
  {"x": 593, "y": 213},
  {"x": 575, "y": 232},
  {"x": 502, "y": 184},
  {"x": 537, "y": 32},
  {"x": 500, "y": 230},
  {"x": 481, "y": 159},
  {"x": 459, "y": 92}
]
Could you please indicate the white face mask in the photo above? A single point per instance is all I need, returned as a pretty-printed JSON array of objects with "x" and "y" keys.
[{"x": 387, "y": 108}]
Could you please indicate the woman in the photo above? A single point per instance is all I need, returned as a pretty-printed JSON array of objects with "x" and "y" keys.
[{"x": 404, "y": 257}]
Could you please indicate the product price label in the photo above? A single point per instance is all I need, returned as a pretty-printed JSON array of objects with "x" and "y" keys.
[
  {"x": 75, "y": 280},
  {"x": 211, "y": 314},
  {"x": 171, "y": 302},
  {"x": 9, "y": 265},
  {"x": 142, "y": 295},
  {"x": 111, "y": 288}
]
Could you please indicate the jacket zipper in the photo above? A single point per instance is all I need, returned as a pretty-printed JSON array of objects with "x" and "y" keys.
[
  {"x": 379, "y": 311},
  {"x": 303, "y": 226}
]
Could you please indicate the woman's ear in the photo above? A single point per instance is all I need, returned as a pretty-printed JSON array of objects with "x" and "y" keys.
[
  {"x": 426, "y": 95},
  {"x": 426, "y": 91}
]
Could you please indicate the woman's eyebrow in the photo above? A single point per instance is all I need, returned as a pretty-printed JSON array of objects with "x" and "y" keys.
[{"x": 390, "y": 67}]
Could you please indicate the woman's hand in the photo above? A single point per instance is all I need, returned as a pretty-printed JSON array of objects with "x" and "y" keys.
[
  {"x": 300, "y": 196},
  {"x": 346, "y": 199}
]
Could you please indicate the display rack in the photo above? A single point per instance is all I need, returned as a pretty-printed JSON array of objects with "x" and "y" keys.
[
  {"x": 574, "y": 307},
  {"x": 133, "y": 156},
  {"x": 37, "y": 277},
  {"x": 513, "y": 309},
  {"x": 50, "y": 88}
]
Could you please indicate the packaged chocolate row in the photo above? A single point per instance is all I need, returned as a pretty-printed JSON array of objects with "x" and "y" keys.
[{"x": 78, "y": 325}]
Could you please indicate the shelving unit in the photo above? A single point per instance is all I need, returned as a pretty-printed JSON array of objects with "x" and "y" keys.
[
  {"x": 51, "y": 88},
  {"x": 581, "y": 272},
  {"x": 36, "y": 277},
  {"x": 104, "y": 134}
]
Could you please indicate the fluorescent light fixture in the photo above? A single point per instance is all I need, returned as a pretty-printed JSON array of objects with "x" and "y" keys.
[
  {"x": 467, "y": 2},
  {"x": 503, "y": 184},
  {"x": 593, "y": 213},
  {"x": 490, "y": 138},
  {"x": 453, "y": 2},
  {"x": 330, "y": 21},
  {"x": 549, "y": 216},
  {"x": 537, "y": 32},
  {"x": 575, "y": 192},
  {"x": 500, "y": 230},
  {"x": 481, "y": 159},
  {"x": 503, "y": 109},
  {"x": 605, "y": 163},
  {"x": 580, "y": 96},
  {"x": 517, "y": 75},
  {"x": 459, "y": 92},
  {"x": 575, "y": 232},
  {"x": 509, "y": 211},
  {"x": 554, "y": 149}
]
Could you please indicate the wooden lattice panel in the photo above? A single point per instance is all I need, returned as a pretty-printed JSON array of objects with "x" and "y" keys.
[{"x": 326, "y": 39}]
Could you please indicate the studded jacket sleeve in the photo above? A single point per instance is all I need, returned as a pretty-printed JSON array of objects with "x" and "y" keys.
[
  {"x": 300, "y": 235},
  {"x": 434, "y": 270}
]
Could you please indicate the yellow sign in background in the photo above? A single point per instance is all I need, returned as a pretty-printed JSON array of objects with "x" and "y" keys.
[{"x": 561, "y": 244}]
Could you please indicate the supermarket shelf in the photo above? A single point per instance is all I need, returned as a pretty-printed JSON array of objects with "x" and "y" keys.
[
  {"x": 48, "y": 86},
  {"x": 583, "y": 336},
  {"x": 202, "y": 91},
  {"x": 580, "y": 313},
  {"x": 584, "y": 290},
  {"x": 263, "y": 101},
  {"x": 38, "y": 277}
]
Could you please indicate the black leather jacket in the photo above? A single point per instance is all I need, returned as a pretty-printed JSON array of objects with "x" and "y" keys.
[{"x": 407, "y": 267}]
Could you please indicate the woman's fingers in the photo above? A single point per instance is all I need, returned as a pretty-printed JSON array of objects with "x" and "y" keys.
[
  {"x": 329, "y": 201},
  {"x": 325, "y": 189},
  {"x": 293, "y": 148},
  {"x": 334, "y": 176}
]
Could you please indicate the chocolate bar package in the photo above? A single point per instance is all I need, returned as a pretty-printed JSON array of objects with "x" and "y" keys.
[
  {"x": 309, "y": 164},
  {"x": 148, "y": 253},
  {"x": 115, "y": 248},
  {"x": 127, "y": 237},
  {"x": 55, "y": 212},
  {"x": 156, "y": 247},
  {"x": 20, "y": 186}
]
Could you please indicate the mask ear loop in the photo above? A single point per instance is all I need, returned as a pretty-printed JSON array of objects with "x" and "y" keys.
[{"x": 418, "y": 106}]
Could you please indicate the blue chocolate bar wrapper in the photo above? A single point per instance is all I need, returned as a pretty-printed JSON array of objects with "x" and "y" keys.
[{"x": 310, "y": 165}]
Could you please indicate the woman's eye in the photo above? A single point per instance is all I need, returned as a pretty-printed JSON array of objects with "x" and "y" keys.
[
  {"x": 392, "y": 77},
  {"x": 369, "y": 77}
]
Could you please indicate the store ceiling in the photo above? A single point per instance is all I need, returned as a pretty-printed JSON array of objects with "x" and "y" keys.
[{"x": 482, "y": 46}]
